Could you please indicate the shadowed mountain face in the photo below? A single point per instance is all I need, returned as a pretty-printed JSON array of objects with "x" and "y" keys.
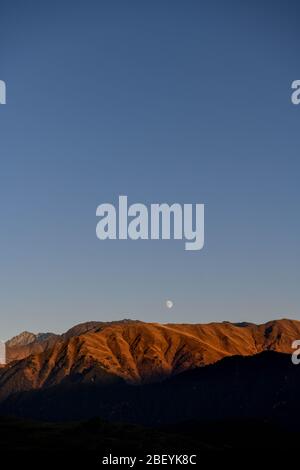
[
  {"x": 135, "y": 352},
  {"x": 259, "y": 388}
]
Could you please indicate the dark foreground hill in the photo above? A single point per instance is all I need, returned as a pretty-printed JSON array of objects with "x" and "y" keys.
[
  {"x": 238, "y": 403},
  {"x": 89, "y": 441},
  {"x": 260, "y": 388}
]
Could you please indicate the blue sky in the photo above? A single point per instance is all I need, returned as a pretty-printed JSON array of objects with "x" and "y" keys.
[{"x": 164, "y": 102}]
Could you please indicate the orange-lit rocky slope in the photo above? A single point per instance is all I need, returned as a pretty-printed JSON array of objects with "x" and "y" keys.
[{"x": 137, "y": 352}]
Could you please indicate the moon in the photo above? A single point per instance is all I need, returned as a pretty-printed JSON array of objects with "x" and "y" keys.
[{"x": 169, "y": 303}]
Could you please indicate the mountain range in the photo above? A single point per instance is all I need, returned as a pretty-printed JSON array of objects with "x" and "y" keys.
[{"x": 133, "y": 352}]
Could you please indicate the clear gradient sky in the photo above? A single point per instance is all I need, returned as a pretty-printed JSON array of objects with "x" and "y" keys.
[{"x": 164, "y": 101}]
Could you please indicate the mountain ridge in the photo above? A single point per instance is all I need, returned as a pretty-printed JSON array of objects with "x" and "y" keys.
[{"x": 138, "y": 352}]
